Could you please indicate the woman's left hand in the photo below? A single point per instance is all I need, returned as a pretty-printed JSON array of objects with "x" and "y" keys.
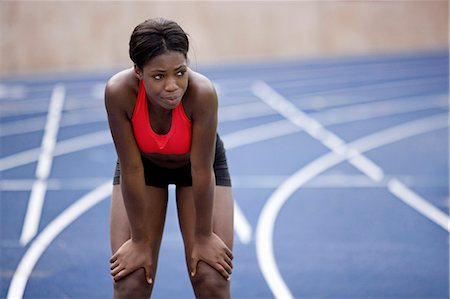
[{"x": 212, "y": 250}]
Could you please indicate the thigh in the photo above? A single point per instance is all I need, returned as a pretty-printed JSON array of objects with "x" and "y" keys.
[
  {"x": 120, "y": 227},
  {"x": 222, "y": 215}
]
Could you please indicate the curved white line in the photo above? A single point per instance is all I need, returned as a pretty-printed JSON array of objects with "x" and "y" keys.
[
  {"x": 266, "y": 221},
  {"x": 44, "y": 242},
  {"x": 40, "y": 244},
  {"x": 51, "y": 231}
]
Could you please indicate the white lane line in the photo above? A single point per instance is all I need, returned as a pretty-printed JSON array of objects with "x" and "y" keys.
[
  {"x": 35, "y": 124},
  {"x": 12, "y": 91},
  {"x": 243, "y": 111},
  {"x": 272, "y": 207},
  {"x": 258, "y": 133},
  {"x": 52, "y": 230},
  {"x": 63, "y": 147},
  {"x": 241, "y": 225},
  {"x": 253, "y": 110},
  {"x": 262, "y": 181},
  {"x": 19, "y": 159},
  {"x": 85, "y": 183},
  {"x": 68, "y": 216},
  {"x": 37, "y": 106},
  {"x": 315, "y": 129},
  {"x": 232, "y": 140},
  {"x": 36, "y": 250},
  {"x": 418, "y": 203},
  {"x": 35, "y": 203},
  {"x": 264, "y": 230}
]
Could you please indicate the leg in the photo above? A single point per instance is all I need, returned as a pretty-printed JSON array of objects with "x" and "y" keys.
[
  {"x": 207, "y": 283},
  {"x": 135, "y": 285}
]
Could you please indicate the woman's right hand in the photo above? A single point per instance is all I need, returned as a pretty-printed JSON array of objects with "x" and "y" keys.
[{"x": 131, "y": 256}]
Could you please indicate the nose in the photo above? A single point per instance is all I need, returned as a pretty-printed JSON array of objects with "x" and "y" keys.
[{"x": 171, "y": 85}]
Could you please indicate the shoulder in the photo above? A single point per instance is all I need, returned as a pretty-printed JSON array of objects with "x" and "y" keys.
[
  {"x": 200, "y": 84},
  {"x": 121, "y": 89},
  {"x": 201, "y": 92}
]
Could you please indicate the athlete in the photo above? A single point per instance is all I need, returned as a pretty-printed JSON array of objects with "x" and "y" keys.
[{"x": 163, "y": 120}]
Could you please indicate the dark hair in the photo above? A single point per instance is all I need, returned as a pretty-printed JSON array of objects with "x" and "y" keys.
[{"x": 154, "y": 37}]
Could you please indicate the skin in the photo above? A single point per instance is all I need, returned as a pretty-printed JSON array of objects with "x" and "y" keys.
[{"x": 138, "y": 211}]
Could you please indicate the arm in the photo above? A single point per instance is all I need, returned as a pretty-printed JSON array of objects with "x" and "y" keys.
[
  {"x": 207, "y": 245},
  {"x": 129, "y": 256},
  {"x": 204, "y": 125}
]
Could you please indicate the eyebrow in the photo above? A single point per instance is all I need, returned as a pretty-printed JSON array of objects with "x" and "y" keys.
[{"x": 163, "y": 70}]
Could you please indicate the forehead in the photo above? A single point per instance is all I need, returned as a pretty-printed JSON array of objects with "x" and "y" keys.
[{"x": 166, "y": 61}]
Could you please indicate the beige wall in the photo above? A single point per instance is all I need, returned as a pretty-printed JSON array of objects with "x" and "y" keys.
[{"x": 46, "y": 36}]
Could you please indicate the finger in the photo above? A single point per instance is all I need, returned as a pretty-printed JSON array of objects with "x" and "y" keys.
[
  {"x": 222, "y": 271},
  {"x": 113, "y": 258},
  {"x": 225, "y": 274},
  {"x": 228, "y": 252},
  {"x": 116, "y": 270},
  {"x": 226, "y": 267},
  {"x": 148, "y": 275},
  {"x": 228, "y": 261},
  {"x": 193, "y": 269},
  {"x": 121, "y": 275},
  {"x": 115, "y": 264}
]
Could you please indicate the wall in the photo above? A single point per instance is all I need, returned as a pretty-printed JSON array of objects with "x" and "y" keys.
[{"x": 61, "y": 36}]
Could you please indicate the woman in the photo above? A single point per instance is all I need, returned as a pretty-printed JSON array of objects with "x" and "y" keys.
[{"x": 163, "y": 119}]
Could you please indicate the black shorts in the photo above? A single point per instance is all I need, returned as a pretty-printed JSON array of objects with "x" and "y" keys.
[{"x": 158, "y": 176}]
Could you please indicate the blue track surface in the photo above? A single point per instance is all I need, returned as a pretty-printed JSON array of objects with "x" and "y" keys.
[{"x": 340, "y": 173}]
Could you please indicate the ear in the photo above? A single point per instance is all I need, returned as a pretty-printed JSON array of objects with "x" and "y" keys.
[{"x": 138, "y": 72}]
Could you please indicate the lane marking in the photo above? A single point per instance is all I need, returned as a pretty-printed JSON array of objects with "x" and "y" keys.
[
  {"x": 262, "y": 181},
  {"x": 44, "y": 165},
  {"x": 250, "y": 110},
  {"x": 105, "y": 134},
  {"x": 272, "y": 207},
  {"x": 63, "y": 147},
  {"x": 232, "y": 140},
  {"x": 16, "y": 289},
  {"x": 241, "y": 225},
  {"x": 315, "y": 129},
  {"x": 364, "y": 144},
  {"x": 52, "y": 230},
  {"x": 340, "y": 152},
  {"x": 256, "y": 133},
  {"x": 418, "y": 203},
  {"x": 34, "y": 124},
  {"x": 15, "y": 92},
  {"x": 85, "y": 183},
  {"x": 68, "y": 216}
]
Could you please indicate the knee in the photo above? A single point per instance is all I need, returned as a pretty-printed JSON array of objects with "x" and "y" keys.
[
  {"x": 132, "y": 286},
  {"x": 209, "y": 283}
]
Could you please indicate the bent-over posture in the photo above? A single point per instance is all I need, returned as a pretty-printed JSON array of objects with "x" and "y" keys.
[{"x": 163, "y": 119}]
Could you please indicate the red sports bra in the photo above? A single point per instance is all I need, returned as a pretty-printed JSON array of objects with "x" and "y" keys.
[{"x": 176, "y": 141}]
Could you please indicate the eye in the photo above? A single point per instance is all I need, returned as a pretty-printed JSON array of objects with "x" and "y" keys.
[
  {"x": 158, "y": 77},
  {"x": 181, "y": 73}
]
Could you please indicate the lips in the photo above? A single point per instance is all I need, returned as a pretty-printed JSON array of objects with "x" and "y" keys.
[
  {"x": 171, "y": 97},
  {"x": 172, "y": 101}
]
